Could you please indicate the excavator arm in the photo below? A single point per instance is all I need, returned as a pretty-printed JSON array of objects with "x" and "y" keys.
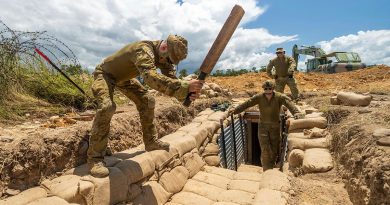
[{"x": 306, "y": 50}]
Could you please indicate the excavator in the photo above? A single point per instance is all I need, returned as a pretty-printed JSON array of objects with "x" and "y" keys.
[{"x": 334, "y": 62}]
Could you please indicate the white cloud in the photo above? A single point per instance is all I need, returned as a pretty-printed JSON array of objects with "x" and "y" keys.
[
  {"x": 95, "y": 29},
  {"x": 372, "y": 46}
]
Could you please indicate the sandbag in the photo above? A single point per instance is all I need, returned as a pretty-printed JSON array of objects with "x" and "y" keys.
[
  {"x": 193, "y": 162},
  {"x": 310, "y": 110},
  {"x": 203, "y": 189},
  {"x": 225, "y": 203},
  {"x": 25, "y": 197},
  {"x": 249, "y": 168},
  {"x": 179, "y": 144},
  {"x": 350, "y": 98},
  {"x": 244, "y": 185},
  {"x": 207, "y": 111},
  {"x": 174, "y": 180},
  {"x": 315, "y": 133},
  {"x": 297, "y": 135},
  {"x": 251, "y": 176},
  {"x": 211, "y": 127},
  {"x": 217, "y": 116},
  {"x": 50, "y": 201},
  {"x": 227, "y": 173},
  {"x": 134, "y": 191},
  {"x": 138, "y": 167},
  {"x": 269, "y": 197},
  {"x": 275, "y": 180},
  {"x": 109, "y": 190},
  {"x": 152, "y": 194},
  {"x": 317, "y": 160},
  {"x": 295, "y": 158},
  {"x": 199, "y": 135},
  {"x": 190, "y": 127},
  {"x": 212, "y": 160},
  {"x": 201, "y": 118},
  {"x": 211, "y": 150},
  {"x": 303, "y": 144},
  {"x": 236, "y": 196},
  {"x": 314, "y": 115},
  {"x": 160, "y": 157},
  {"x": 71, "y": 188},
  {"x": 308, "y": 123},
  {"x": 83, "y": 169},
  {"x": 188, "y": 198},
  {"x": 212, "y": 179}
]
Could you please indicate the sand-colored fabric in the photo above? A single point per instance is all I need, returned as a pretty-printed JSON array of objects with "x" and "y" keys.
[
  {"x": 25, "y": 197},
  {"x": 152, "y": 194},
  {"x": 251, "y": 176},
  {"x": 303, "y": 144},
  {"x": 83, "y": 169},
  {"x": 203, "y": 189},
  {"x": 134, "y": 191},
  {"x": 210, "y": 126},
  {"x": 275, "y": 180},
  {"x": 225, "y": 203},
  {"x": 269, "y": 197},
  {"x": 109, "y": 190},
  {"x": 315, "y": 133},
  {"x": 314, "y": 115},
  {"x": 212, "y": 179},
  {"x": 244, "y": 185},
  {"x": 190, "y": 127},
  {"x": 212, "y": 160},
  {"x": 174, "y": 180},
  {"x": 159, "y": 157},
  {"x": 308, "y": 123},
  {"x": 298, "y": 135},
  {"x": 71, "y": 188},
  {"x": 350, "y": 98},
  {"x": 54, "y": 200},
  {"x": 211, "y": 150},
  {"x": 199, "y": 134},
  {"x": 249, "y": 168},
  {"x": 217, "y": 116},
  {"x": 236, "y": 196},
  {"x": 180, "y": 143},
  {"x": 138, "y": 167},
  {"x": 295, "y": 158},
  {"x": 227, "y": 173},
  {"x": 188, "y": 198},
  {"x": 317, "y": 160},
  {"x": 193, "y": 162},
  {"x": 201, "y": 118}
]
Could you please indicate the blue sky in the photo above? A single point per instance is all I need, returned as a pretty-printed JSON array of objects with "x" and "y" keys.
[
  {"x": 96, "y": 29},
  {"x": 315, "y": 21}
]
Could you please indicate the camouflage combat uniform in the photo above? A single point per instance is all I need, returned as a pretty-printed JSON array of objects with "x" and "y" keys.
[
  {"x": 120, "y": 71},
  {"x": 284, "y": 69},
  {"x": 269, "y": 124}
]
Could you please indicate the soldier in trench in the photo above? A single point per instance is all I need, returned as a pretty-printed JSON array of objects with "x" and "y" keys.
[
  {"x": 119, "y": 71},
  {"x": 270, "y": 103}
]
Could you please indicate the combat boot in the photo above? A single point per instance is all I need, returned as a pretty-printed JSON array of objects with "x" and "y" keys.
[
  {"x": 98, "y": 169},
  {"x": 156, "y": 145}
]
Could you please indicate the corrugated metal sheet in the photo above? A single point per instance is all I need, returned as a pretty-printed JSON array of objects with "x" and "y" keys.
[{"x": 232, "y": 145}]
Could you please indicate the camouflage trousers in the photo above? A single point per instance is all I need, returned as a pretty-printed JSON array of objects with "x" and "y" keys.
[
  {"x": 103, "y": 91},
  {"x": 281, "y": 83},
  {"x": 269, "y": 138}
]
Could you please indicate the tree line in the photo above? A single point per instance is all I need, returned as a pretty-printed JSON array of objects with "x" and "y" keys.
[{"x": 227, "y": 72}]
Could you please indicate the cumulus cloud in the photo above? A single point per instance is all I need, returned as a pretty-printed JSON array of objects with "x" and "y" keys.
[
  {"x": 372, "y": 46},
  {"x": 95, "y": 29}
]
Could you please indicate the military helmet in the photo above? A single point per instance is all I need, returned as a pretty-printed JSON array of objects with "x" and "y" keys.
[
  {"x": 177, "y": 48},
  {"x": 268, "y": 84}
]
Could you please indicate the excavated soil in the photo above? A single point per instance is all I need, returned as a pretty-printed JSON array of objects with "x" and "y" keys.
[{"x": 30, "y": 153}]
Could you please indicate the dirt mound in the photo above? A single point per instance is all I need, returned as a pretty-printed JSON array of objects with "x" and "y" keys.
[
  {"x": 30, "y": 153},
  {"x": 375, "y": 80}
]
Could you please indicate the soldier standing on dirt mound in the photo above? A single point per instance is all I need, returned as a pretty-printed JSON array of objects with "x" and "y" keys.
[
  {"x": 284, "y": 73},
  {"x": 269, "y": 103},
  {"x": 120, "y": 71}
]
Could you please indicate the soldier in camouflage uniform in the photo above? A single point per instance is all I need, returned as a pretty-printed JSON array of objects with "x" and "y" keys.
[
  {"x": 270, "y": 104},
  {"x": 284, "y": 73},
  {"x": 120, "y": 71}
]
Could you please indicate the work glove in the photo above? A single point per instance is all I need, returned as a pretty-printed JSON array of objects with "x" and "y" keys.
[{"x": 299, "y": 116}]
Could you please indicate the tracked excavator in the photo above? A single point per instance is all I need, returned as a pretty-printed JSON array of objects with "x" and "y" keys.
[{"x": 334, "y": 62}]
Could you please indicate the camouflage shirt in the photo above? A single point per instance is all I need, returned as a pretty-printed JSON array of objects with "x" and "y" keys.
[
  {"x": 141, "y": 58},
  {"x": 283, "y": 67},
  {"x": 269, "y": 109}
]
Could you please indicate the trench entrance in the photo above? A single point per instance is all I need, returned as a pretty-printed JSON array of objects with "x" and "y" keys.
[{"x": 254, "y": 151}]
